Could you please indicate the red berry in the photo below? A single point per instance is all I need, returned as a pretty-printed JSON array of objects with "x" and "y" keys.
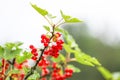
[
  {"x": 69, "y": 70},
  {"x": 31, "y": 46},
  {"x": 54, "y": 65},
  {"x": 58, "y": 34},
  {"x": 1, "y": 78},
  {"x": 46, "y": 52},
  {"x": 44, "y": 79},
  {"x": 34, "y": 58},
  {"x": 22, "y": 76},
  {"x": 34, "y": 50},
  {"x": 45, "y": 40},
  {"x": 43, "y": 36},
  {"x": 45, "y": 44},
  {"x": 35, "y": 54}
]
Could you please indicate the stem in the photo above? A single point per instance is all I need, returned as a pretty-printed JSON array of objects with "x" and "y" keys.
[
  {"x": 34, "y": 67},
  {"x": 48, "y": 21},
  {"x": 72, "y": 59},
  {"x": 58, "y": 23},
  {"x": 67, "y": 57}
]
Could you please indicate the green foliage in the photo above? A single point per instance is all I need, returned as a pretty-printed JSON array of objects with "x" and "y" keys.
[
  {"x": 26, "y": 70},
  {"x": 71, "y": 47},
  {"x": 10, "y": 50},
  {"x": 47, "y": 28},
  {"x": 15, "y": 71},
  {"x": 21, "y": 58},
  {"x": 10, "y": 54},
  {"x": 35, "y": 76},
  {"x": 69, "y": 19},
  {"x": 51, "y": 16},
  {"x": 1, "y": 51},
  {"x": 0, "y": 64},
  {"x": 41, "y": 11},
  {"x": 106, "y": 74},
  {"x": 86, "y": 59}
]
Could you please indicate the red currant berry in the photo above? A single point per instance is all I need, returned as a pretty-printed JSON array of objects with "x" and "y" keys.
[
  {"x": 31, "y": 46},
  {"x": 34, "y": 58}
]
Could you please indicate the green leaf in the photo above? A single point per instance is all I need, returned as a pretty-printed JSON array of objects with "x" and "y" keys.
[
  {"x": 71, "y": 47},
  {"x": 17, "y": 44},
  {"x": 41, "y": 11},
  {"x": 73, "y": 20},
  {"x": 1, "y": 52},
  {"x": 67, "y": 48},
  {"x": 9, "y": 45},
  {"x": 75, "y": 69},
  {"x": 60, "y": 58},
  {"x": 58, "y": 29},
  {"x": 86, "y": 59},
  {"x": 69, "y": 19},
  {"x": 35, "y": 76},
  {"x": 14, "y": 71},
  {"x": 0, "y": 63},
  {"x": 51, "y": 16},
  {"x": 81, "y": 58},
  {"x": 12, "y": 53},
  {"x": 26, "y": 69},
  {"x": 22, "y": 58},
  {"x": 47, "y": 28},
  {"x": 106, "y": 73}
]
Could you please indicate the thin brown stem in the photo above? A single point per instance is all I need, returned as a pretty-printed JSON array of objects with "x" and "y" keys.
[{"x": 34, "y": 67}]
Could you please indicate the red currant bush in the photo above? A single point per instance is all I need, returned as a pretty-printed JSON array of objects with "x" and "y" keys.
[{"x": 49, "y": 62}]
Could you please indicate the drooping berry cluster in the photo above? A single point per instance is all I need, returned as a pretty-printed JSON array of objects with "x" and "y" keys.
[
  {"x": 57, "y": 75},
  {"x": 45, "y": 40},
  {"x": 34, "y": 52},
  {"x": 54, "y": 49}
]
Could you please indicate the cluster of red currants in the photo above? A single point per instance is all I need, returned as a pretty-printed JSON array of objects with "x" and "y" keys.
[
  {"x": 53, "y": 46},
  {"x": 56, "y": 74},
  {"x": 34, "y": 52}
]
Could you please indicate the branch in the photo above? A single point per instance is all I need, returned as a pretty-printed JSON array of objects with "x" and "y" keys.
[{"x": 34, "y": 67}]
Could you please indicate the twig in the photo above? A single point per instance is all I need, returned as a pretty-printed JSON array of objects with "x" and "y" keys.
[
  {"x": 48, "y": 21},
  {"x": 34, "y": 67}
]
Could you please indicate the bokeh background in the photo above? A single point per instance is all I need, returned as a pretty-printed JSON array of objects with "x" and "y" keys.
[{"x": 98, "y": 35}]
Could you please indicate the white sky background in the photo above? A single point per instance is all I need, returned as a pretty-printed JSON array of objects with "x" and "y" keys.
[{"x": 20, "y": 22}]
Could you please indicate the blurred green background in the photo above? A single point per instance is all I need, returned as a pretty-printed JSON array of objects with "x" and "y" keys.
[{"x": 108, "y": 55}]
